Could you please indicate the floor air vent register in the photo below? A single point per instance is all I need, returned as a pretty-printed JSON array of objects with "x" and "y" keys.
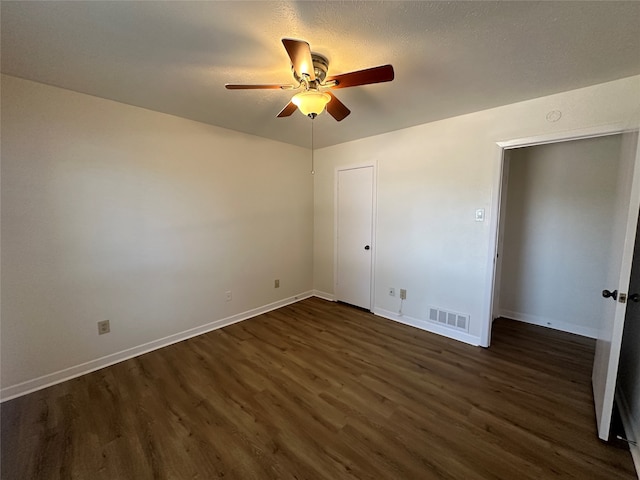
[{"x": 453, "y": 320}]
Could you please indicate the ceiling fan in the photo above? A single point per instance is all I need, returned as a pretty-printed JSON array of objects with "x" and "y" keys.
[{"x": 310, "y": 72}]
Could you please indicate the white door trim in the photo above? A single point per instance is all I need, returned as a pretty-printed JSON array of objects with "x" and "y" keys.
[
  {"x": 374, "y": 219},
  {"x": 496, "y": 193}
]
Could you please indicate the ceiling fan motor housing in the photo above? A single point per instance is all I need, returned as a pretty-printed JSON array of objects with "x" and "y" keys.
[{"x": 320, "y": 68}]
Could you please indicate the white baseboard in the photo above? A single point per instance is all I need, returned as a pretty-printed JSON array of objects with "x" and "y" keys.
[
  {"x": 324, "y": 295},
  {"x": 60, "y": 376},
  {"x": 551, "y": 323},
  {"x": 631, "y": 428},
  {"x": 428, "y": 326}
]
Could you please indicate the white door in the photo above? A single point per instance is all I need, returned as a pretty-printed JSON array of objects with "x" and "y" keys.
[
  {"x": 605, "y": 364},
  {"x": 354, "y": 213}
]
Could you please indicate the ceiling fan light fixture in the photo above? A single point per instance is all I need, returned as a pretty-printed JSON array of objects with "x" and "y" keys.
[
  {"x": 310, "y": 72},
  {"x": 311, "y": 102}
]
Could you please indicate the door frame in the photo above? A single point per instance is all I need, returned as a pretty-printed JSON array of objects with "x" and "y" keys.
[
  {"x": 496, "y": 200},
  {"x": 374, "y": 218}
]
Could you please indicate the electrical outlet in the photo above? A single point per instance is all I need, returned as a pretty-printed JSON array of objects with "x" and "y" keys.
[
  {"x": 403, "y": 294},
  {"x": 392, "y": 292},
  {"x": 228, "y": 296},
  {"x": 103, "y": 327},
  {"x": 276, "y": 283}
]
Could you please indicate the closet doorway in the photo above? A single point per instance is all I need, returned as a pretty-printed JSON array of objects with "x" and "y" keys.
[{"x": 565, "y": 235}]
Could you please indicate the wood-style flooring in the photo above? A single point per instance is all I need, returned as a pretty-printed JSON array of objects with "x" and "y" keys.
[{"x": 319, "y": 390}]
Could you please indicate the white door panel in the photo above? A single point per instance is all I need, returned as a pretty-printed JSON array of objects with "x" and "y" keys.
[
  {"x": 605, "y": 365},
  {"x": 354, "y": 236}
]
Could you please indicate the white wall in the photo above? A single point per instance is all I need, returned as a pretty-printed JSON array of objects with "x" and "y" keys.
[
  {"x": 114, "y": 212},
  {"x": 431, "y": 179},
  {"x": 557, "y": 232}
]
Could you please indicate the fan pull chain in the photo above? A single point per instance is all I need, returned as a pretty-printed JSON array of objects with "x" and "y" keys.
[{"x": 313, "y": 171}]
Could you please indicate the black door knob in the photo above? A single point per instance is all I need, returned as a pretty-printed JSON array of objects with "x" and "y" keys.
[
  {"x": 367, "y": 247},
  {"x": 634, "y": 297},
  {"x": 607, "y": 294}
]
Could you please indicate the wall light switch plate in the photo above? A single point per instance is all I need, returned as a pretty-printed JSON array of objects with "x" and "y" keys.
[{"x": 480, "y": 215}]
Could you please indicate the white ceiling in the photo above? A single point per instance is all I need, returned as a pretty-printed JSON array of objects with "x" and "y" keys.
[{"x": 450, "y": 58}]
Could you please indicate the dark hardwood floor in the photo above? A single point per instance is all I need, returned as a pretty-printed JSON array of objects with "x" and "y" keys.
[{"x": 318, "y": 390}]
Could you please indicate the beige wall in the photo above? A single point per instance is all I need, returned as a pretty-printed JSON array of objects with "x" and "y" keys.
[
  {"x": 114, "y": 212},
  {"x": 431, "y": 179}
]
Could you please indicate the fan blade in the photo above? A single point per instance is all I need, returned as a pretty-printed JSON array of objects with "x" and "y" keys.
[
  {"x": 380, "y": 74},
  {"x": 336, "y": 108},
  {"x": 300, "y": 55},
  {"x": 235, "y": 86},
  {"x": 288, "y": 110}
]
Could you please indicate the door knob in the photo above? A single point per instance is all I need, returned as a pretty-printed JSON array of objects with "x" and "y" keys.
[
  {"x": 367, "y": 247},
  {"x": 607, "y": 294},
  {"x": 634, "y": 297}
]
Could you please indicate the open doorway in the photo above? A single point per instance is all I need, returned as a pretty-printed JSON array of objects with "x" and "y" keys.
[
  {"x": 555, "y": 233},
  {"x": 614, "y": 274}
]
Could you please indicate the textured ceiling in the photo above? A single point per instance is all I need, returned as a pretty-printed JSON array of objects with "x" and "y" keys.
[{"x": 450, "y": 58}]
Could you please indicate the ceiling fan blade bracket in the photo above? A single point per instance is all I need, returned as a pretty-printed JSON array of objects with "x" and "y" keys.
[{"x": 300, "y": 54}]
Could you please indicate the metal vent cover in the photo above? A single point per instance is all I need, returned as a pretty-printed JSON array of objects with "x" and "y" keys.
[{"x": 458, "y": 321}]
